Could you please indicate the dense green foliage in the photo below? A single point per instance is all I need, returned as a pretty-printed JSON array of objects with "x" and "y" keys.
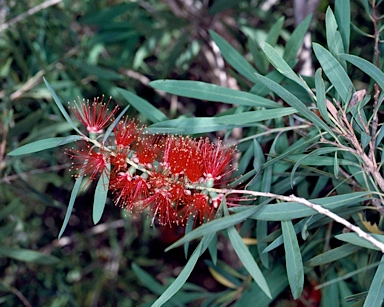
[{"x": 229, "y": 70}]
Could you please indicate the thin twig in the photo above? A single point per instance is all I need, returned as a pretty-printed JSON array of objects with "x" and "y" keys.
[{"x": 318, "y": 208}]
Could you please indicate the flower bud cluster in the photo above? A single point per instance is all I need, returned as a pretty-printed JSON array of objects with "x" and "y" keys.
[{"x": 172, "y": 176}]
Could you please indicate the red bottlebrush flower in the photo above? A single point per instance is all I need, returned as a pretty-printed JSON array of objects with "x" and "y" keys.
[
  {"x": 94, "y": 117},
  {"x": 119, "y": 160},
  {"x": 217, "y": 159},
  {"x": 183, "y": 155},
  {"x": 176, "y": 154},
  {"x": 161, "y": 206},
  {"x": 195, "y": 168},
  {"x": 126, "y": 132},
  {"x": 88, "y": 161},
  {"x": 129, "y": 191},
  {"x": 198, "y": 206},
  {"x": 148, "y": 148}
]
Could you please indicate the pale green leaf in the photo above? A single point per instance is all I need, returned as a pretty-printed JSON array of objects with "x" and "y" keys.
[
  {"x": 247, "y": 260},
  {"x": 43, "y": 145},
  {"x": 72, "y": 199},
  {"x": 375, "y": 295},
  {"x": 294, "y": 262},
  {"x": 354, "y": 238},
  {"x": 234, "y": 58},
  {"x": 101, "y": 195},
  {"x": 335, "y": 72},
  {"x": 212, "y": 92}
]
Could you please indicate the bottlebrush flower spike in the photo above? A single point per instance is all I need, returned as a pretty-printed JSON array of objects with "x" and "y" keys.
[
  {"x": 126, "y": 132},
  {"x": 93, "y": 117},
  {"x": 199, "y": 207},
  {"x": 148, "y": 148},
  {"x": 217, "y": 159},
  {"x": 129, "y": 191},
  {"x": 87, "y": 161}
]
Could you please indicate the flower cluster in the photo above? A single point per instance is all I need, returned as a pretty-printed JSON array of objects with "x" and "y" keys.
[{"x": 172, "y": 176}]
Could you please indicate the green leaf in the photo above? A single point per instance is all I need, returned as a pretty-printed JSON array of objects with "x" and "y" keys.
[
  {"x": 28, "y": 256},
  {"x": 190, "y": 125},
  {"x": 253, "y": 116},
  {"x": 294, "y": 263},
  {"x": 212, "y": 92},
  {"x": 61, "y": 107},
  {"x": 296, "y": 40},
  {"x": 74, "y": 192},
  {"x": 354, "y": 238},
  {"x": 274, "y": 33},
  {"x": 144, "y": 107},
  {"x": 343, "y": 18},
  {"x": 334, "y": 40},
  {"x": 333, "y": 255},
  {"x": 375, "y": 295},
  {"x": 43, "y": 145},
  {"x": 321, "y": 98},
  {"x": 147, "y": 280},
  {"x": 334, "y": 71},
  {"x": 234, "y": 58},
  {"x": 215, "y": 225},
  {"x": 101, "y": 195},
  {"x": 294, "y": 102},
  {"x": 367, "y": 67},
  {"x": 247, "y": 260},
  {"x": 278, "y": 62}
]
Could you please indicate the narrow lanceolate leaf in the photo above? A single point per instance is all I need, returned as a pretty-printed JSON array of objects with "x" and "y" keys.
[
  {"x": 367, "y": 67},
  {"x": 247, "y": 260},
  {"x": 282, "y": 66},
  {"x": 294, "y": 102},
  {"x": 143, "y": 106},
  {"x": 353, "y": 238},
  {"x": 296, "y": 40},
  {"x": 321, "y": 98},
  {"x": 343, "y": 18},
  {"x": 333, "y": 255},
  {"x": 42, "y": 145},
  {"x": 334, "y": 71},
  {"x": 212, "y": 92},
  {"x": 100, "y": 195},
  {"x": 74, "y": 192},
  {"x": 375, "y": 295},
  {"x": 253, "y": 116},
  {"x": 216, "y": 225},
  {"x": 294, "y": 262},
  {"x": 234, "y": 58},
  {"x": 61, "y": 107},
  {"x": 334, "y": 40}
]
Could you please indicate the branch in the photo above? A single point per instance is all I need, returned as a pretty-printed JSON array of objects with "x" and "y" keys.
[{"x": 319, "y": 209}]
